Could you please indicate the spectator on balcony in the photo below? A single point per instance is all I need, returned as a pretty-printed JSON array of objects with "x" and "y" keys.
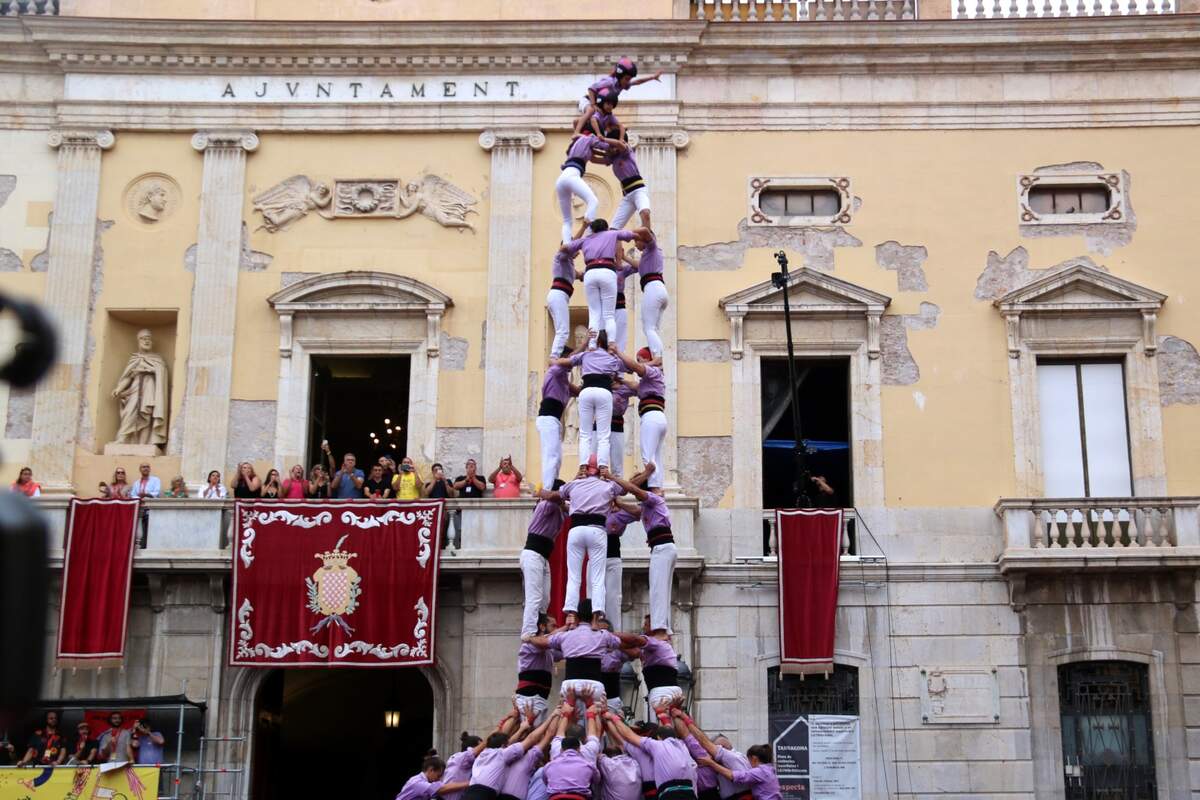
[
  {"x": 294, "y": 485},
  {"x": 317, "y": 486},
  {"x": 25, "y": 484},
  {"x": 347, "y": 482},
  {"x": 213, "y": 488},
  {"x": 177, "y": 488},
  {"x": 506, "y": 479},
  {"x": 147, "y": 744},
  {"x": 105, "y": 491},
  {"x": 407, "y": 484},
  {"x": 147, "y": 485},
  {"x": 246, "y": 484},
  {"x": 439, "y": 487},
  {"x": 114, "y": 742},
  {"x": 389, "y": 468},
  {"x": 85, "y": 749},
  {"x": 8, "y": 753},
  {"x": 46, "y": 745},
  {"x": 374, "y": 487},
  {"x": 470, "y": 486},
  {"x": 118, "y": 487},
  {"x": 270, "y": 487}
]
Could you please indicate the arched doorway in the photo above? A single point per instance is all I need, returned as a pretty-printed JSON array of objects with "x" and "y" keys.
[{"x": 324, "y": 733}]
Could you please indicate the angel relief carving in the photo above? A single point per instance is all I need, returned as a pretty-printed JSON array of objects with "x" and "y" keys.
[{"x": 390, "y": 198}]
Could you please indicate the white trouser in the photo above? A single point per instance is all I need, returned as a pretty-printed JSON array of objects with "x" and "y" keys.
[
  {"x": 570, "y": 183},
  {"x": 550, "y": 432},
  {"x": 600, "y": 287},
  {"x": 612, "y": 592},
  {"x": 592, "y": 540},
  {"x": 535, "y": 577},
  {"x": 559, "y": 306},
  {"x": 534, "y": 703},
  {"x": 615, "y": 706},
  {"x": 659, "y": 694},
  {"x": 654, "y": 303},
  {"x": 662, "y": 579},
  {"x": 621, "y": 320},
  {"x": 638, "y": 200},
  {"x": 595, "y": 412},
  {"x": 580, "y": 685},
  {"x": 653, "y": 429},
  {"x": 616, "y": 452}
]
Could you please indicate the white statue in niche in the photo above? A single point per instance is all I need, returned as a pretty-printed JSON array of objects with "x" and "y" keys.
[{"x": 142, "y": 393}]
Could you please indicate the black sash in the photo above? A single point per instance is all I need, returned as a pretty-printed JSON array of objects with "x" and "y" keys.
[
  {"x": 618, "y": 424},
  {"x": 711, "y": 793},
  {"x": 632, "y": 184},
  {"x": 584, "y": 669},
  {"x": 539, "y": 544},
  {"x": 659, "y": 675},
  {"x": 578, "y": 163},
  {"x": 550, "y": 408},
  {"x": 660, "y": 534},
  {"x": 614, "y": 546},
  {"x": 600, "y": 380},
  {"x": 477, "y": 791},
  {"x": 534, "y": 683},
  {"x": 580, "y": 520},
  {"x": 612, "y": 683},
  {"x": 674, "y": 789}
]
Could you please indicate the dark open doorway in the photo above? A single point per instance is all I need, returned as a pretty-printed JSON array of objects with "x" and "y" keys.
[
  {"x": 360, "y": 404},
  {"x": 325, "y": 733},
  {"x": 823, "y": 390}
]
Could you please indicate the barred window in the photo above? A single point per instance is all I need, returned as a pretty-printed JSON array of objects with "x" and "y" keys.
[{"x": 813, "y": 694}]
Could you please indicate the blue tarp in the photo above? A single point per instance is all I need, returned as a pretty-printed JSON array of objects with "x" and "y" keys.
[{"x": 810, "y": 445}]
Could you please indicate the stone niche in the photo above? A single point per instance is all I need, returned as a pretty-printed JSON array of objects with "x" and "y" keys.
[{"x": 119, "y": 342}]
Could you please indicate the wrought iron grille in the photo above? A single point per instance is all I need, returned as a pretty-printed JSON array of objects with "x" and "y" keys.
[
  {"x": 814, "y": 694},
  {"x": 1107, "y": 737}
]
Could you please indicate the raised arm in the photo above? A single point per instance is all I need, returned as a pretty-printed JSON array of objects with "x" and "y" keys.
[
  {"x": 640, "y": 494},
  {"x": 623, "y": 731},
  {"x": 538, "y": 734},
  {"x": 646, "y": 79},
  {"x": 715, "y": 767},
  {"x": 630, "y": 364},
  {"x": 694, "y": 730}
]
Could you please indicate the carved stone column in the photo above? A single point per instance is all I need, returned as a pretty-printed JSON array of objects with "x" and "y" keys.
[
  {"x": 69, "y": 284},
  {"x": 505, "y": 393},
  {"x": 656, "y": 155},
  {"x": 214, "y": 300}
]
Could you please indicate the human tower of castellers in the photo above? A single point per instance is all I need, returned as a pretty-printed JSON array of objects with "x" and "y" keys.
[{"x": 582, "y": 748}]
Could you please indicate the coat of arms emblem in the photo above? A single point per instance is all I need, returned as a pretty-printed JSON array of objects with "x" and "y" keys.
[{"x": 333, "y": 590}]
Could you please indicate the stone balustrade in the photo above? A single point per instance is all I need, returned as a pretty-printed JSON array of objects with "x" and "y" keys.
[
  {"x": 733, "y": 11},
  {"x": 40, "y": 8},
  {"x": 849, "y": 537},
  {"x": 195, "y": 534},
  {"x": 1100, "y": 531},
  {"x": 802, "y": 10},
  {"x": 1031, "y": 9}
]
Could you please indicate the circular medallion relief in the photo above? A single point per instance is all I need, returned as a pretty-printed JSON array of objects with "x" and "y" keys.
[
  {"x": 152, "y": 198},
  {"x": 604, "y": 194}
]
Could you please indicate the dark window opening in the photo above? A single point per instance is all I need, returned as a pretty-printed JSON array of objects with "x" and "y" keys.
[
  {"x": 1086, "y": 199},
  {"x": 800, "y": 202},
  {"x": 1107, "y": 733},
  {"x": 360, "y": 405},
  {"x": 836, "y": 693},
  {"x": 336, "y": 717}
]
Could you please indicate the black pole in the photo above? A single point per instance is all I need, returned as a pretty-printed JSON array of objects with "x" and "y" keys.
[{"x": 800, "y": 474}]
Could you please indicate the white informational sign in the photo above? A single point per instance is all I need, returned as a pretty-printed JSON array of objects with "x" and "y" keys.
[
  {"x": 817, "y": 757},
  {"x": 331, "y": 90}
]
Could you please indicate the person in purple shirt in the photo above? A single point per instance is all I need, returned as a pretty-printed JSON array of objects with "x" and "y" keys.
[
  {"x": 583, "y": 648},
  {"x": 620, "y": 775},
  {"x": 644, "y": 762},
  {"x": 622, "y": 393},
  {"x": 518, "y": 780},
  {"x": 428, "y": 783},
  {"x": 761, "y": 777},
  {"x": 493, "y": 762},
  {"x": 589, "y": 499},
  {"x": 562, "y": 285},
  {"x": 635, "y": 196},
  {"x": 544, "y": 527},
  {"x": 570, "y": 183},
  {"x": 602, "y": 116},
  {"x": 610, "y": 667},
  {"x": 619, "y": 517},
  {"x": 458, "y": 766},
  {"x": 623, "y": 76},
  {"x": 599, "y": 367},
  {"x": 652, "y": 392},
  {"x": 674, "y": 768},
  {"x": 719, "y": 749},
  {"x": 557, "y": 391},
  {"x": 572, "y": 766},
  {"x": 535, "y": 673},
  {"x": 600, "y": 273},
  {"x": 656, "y": 519},
  {"x": 654, "y": 291}
]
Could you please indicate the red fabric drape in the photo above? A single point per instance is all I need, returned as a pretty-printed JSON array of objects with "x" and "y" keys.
[
  {"x": 810, "y": 543},
  {"x": 558, "y": 575},
  {"x": 97, "y": 572},
  {"x": 335, "y": 583}
]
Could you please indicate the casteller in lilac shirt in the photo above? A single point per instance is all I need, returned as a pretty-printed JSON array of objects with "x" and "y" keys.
[
  {"x": 610, "y": 82},
  {"x": 655, "y": 513},
  {"x": 530, "y": 656},
  {"x": 556, "y": 385},
  {"x": 621, "y": 778},
  {"x": 617, "y": 521},
  {"x": 582, "y": 148},
  {"x": 651, "y": 260},
  {"x": 570, "y": 771},
  {"x": 599, "y": 362},
  {"x": 590, "y": 495},
  {"x": 517, "y": 779},
  {"x": 652, "y": 383},
  {"x": 537, "y": 786},
  {"x": 564, "y": 267},
  {"x": 706, "y": 778},
  {"x": 598, "y": 246},
  {"x": 491, "y": 764},
  {"x": 584, "y": 641},
  {"x": 734, "y": 761},
  {"x": 762, "y": 780},
  {"x": 418, "y": 787},
  {"x": 672, "y": 761},
  {"x": 644, "y": 762},
  {"x": 621, "y": 394},
  {"x": 547, "y": 519},
  {"x": 657, "y": 651},
  {"x": 458, "y": 769}
]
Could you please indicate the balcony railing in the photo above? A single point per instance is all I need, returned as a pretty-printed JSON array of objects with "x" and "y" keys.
[
  {"x": 803, "y": 10},
  {"x": 1100, "y": 530},
  {"x": 39, "y": 8},
  {"x": 849, "y": 534},
  {"x": 1030, "y": 9}
]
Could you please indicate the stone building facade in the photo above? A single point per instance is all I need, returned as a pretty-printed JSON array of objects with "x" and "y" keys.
[{"x": 268, "y": 194}]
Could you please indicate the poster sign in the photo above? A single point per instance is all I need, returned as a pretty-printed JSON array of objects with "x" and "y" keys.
[
  {"x": 817, "y": 756},
  {"x": 83, "y": 782}
]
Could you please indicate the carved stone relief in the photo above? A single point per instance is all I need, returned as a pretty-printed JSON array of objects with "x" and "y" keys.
[
  {"x": 390, "y": 198},
  {"x": 152, "y": 198}
]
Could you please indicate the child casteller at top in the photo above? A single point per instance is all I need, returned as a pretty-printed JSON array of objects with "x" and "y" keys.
[{"x": 623, "y": 76}]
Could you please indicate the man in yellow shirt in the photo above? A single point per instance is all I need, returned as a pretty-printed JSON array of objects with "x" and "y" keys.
[{"x": 407, "y": 483}]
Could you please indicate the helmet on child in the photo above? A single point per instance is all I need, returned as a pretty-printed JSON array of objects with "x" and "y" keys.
[{"x": 623, "y": 67}]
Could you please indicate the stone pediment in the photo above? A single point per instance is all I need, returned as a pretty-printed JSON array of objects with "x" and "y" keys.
[
  {"x": 1080, "y": 287},
  {"x": 809, "y": 292},
  {"x": 360, "y": 291}
]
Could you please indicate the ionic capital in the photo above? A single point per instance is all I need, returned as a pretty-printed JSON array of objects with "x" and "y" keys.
[
  {"x": 492, "y": 139},
  {"x": 203, "y": 140},
  {"x": 675, "y": 138},
  {"x": 101, "y": 139}
]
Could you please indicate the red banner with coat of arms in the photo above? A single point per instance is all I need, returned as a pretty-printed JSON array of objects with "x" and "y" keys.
[{"x": 349, "y": 583}]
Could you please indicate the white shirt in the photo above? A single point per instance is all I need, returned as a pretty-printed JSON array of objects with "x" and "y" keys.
[
  {"x": 217, "y": 492},
  {"x": 146, "y": 487}
]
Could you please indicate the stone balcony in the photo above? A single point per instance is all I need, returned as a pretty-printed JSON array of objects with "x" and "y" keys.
[
  {"x": 1097, "y": 534},
  {"x": 194, "y": 535}
]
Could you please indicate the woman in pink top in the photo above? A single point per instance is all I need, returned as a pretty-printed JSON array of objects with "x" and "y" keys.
[
  {"x": 506, "y": 479},
  {"x": 25, "y": 483},
  {"x": 294, "y": 484}
]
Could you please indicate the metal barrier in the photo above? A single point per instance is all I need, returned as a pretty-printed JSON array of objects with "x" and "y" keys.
[{"x": 201, "y": 790}]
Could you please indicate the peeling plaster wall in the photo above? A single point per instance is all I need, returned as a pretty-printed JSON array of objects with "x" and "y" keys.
[
  {"x": 906, "y": 261},
  {"x": 248, "y": 261},
  {"x": 899, "y": 368},
  {"x": 709, "y": 351},
  {"x": 9, "y": 261},
  {"x": 706, "y": 467},
  {"x": 1006, "y": 273},
  {"x": 19, "y": 421},
  {"x": 456, "y": 445},
  {"x": 7, "y": 184},
  {"x": 287, "y": 279},
  {"x": 251, "y": 433},
  {"x": 453, "y": 352},
  {"x": 816, "y": 244},
  {"x": 1178, "y": 372},
  {"x": 1098, "y": 238}
]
